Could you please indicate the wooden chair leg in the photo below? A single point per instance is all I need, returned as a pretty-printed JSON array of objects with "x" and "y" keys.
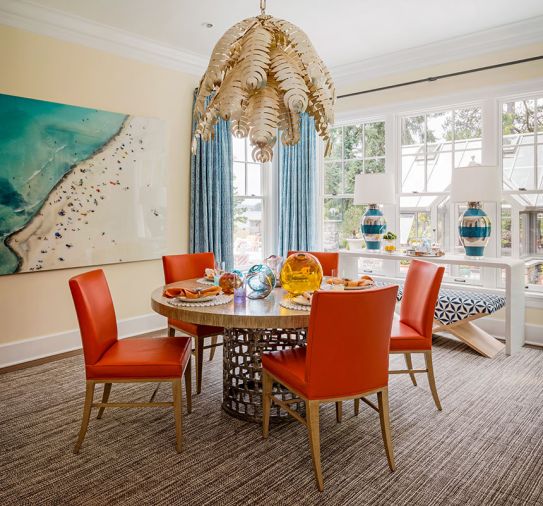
[
  {"x": 171, "y": 331},
  {"x": 409, "y": 364},
  {"x": 339, "y": 411},
  {"x": 178, "y": 413},
  {"x": 188, "y": 385},
  {"x": 312, "y": 419},
  {"x": 105, "y": 398},
  {"x": 356, "y": 407},
  {"x": 89, "y": 397},
  {"x": 384, "y": 417},
  {"x": 267, "y": 384},
  {"x": 199, "y": 352},
  {"x": 431, "y": 378},
  {"x": 212, "y": 349}
]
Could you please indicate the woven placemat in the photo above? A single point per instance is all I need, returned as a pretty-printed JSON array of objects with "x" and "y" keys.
[
  {"x": 288, "y": 304},
  {"x": 217, "y": 301}
]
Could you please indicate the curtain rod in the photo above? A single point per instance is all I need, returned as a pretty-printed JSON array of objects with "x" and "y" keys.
[{"x": 443, "y": 76}]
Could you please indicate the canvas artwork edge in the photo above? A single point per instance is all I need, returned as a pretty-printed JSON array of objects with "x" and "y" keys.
[{"x": 64, "y": 202}]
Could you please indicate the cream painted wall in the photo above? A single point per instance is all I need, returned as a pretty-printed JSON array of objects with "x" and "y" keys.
[
  {"x": 445, "y": 87},
  {"x": 34, "y": 66},
  {"x": 488, "y": 78}
]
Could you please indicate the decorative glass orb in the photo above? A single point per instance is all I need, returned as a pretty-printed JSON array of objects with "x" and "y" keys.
[
  {"x": 259, "y": 282},
  {"x": 229, "y": 281},
  {"x": 301, "y": 272},
  {"x": 275, "y": 262}
]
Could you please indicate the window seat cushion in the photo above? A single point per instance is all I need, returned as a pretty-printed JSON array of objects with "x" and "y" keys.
[{"x": 454, "y": 305}]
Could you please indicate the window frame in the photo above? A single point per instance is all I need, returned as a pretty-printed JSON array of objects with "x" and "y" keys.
[
  {"x": 321, "y": 164},
  {"x": 508, "y": 195},
  {"x": 269, "y": 196},
  {"x": 491, "y": 101}
]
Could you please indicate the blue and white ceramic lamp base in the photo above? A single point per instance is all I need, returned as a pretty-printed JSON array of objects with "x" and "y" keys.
[
  {"x": 373, "y": 227},
  {"x": 474, "y": 230}
]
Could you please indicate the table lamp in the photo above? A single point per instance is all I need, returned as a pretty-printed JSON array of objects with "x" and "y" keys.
[
  {"x": 373, "y": 189},
  {"x": 475, "y": 184}
]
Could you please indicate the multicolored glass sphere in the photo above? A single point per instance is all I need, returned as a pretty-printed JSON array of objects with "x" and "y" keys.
[
  {"x": 301, "y": 272},
  {"x": 229, "y": 281},
  {"x": 259, "y": 281}
]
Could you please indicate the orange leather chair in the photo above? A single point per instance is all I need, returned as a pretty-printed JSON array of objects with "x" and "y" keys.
[
  {"x": 412, "y": 331},
  {"x": 328, "y": 261},
  {"x": 108, "y": 360},
  {"x": 180, "y": 268},
  {"x": 346, "y": 357}
]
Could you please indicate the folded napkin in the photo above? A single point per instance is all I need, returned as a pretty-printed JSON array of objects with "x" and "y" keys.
[{"x": 191, "y": 294}]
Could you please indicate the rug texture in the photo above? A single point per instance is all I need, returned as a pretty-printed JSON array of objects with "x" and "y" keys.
[{"x": 484, "y": 448}]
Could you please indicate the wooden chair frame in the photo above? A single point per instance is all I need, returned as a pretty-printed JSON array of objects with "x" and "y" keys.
[
  {"x": 429, "y": 371},
  {"x": 198, "y": 351},
  {"x": 177, "y": 403},
  {"x": 472, "y": 335},
  {"x": 311, "y": 421}
]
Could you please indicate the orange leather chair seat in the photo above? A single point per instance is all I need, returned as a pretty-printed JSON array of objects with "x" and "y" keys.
[
  {"x": 287, "y": 366},
  {"x": 146, "y": 357},
  {"x": 403, "y": 337},
  {"x": 195, "y": 330}
]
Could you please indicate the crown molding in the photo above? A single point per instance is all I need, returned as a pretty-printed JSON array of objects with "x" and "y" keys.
[
  {"x": 521, "y": 33},
  {"x": 26, "y": 15},
  {"x": 51, "y": 22}
]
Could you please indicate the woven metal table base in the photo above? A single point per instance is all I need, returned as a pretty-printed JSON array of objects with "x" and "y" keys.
[{"x": 242, "y": 370}]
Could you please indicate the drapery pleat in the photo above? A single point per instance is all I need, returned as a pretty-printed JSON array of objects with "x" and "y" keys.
[
  {"x": 297, "y": 187},
  {"x": 211, "y": 196}
]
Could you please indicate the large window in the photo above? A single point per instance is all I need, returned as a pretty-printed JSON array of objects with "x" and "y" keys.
[
  {"x": 522, "y": 164},
  {"x": 249, "y": 206},
  {"x": 432, "y": 145},
  {"x": 357, "y": 149}
]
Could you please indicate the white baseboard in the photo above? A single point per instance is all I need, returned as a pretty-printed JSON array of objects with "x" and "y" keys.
[
  {"x": 44, "y": 346},
  {"x": 533, "y": 333}
]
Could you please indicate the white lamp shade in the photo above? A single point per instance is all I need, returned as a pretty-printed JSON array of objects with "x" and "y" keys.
[
  {"x": 374, "y": 189},
  {"x": 476, "y": 183}
]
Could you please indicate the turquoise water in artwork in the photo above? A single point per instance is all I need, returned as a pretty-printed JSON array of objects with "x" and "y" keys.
[{"x": 40, "y": 142}]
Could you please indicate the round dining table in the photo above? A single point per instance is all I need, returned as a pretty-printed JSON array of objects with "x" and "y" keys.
[{"x": 251, "y": 327}]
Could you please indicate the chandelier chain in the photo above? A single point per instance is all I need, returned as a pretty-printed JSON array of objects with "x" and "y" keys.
[{"x": 262, "y": 7}]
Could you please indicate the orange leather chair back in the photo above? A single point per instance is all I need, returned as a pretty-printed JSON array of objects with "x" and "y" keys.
[
  {"x": 420, "y": 294},
  {"x": 328, "y": 261},
  {"x": 348, "y": 341},
  {"x": 95, "y": 313},
  {"x": 189, "y": 266}
]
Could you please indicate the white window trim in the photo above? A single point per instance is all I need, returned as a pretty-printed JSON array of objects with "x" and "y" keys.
[{"x": 490, "y": 99}]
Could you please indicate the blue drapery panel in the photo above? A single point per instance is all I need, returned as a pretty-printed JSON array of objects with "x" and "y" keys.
[
  {"x": 211, "y": 196},
  {"x": 297, "y": 187}
]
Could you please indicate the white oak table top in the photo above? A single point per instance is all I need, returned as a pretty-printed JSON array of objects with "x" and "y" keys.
[{"x": 245, "y": 313}]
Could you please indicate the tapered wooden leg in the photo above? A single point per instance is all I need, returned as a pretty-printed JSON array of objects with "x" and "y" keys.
[
  {"x": 431, "y": 378},
  {"x": 89, "y": 396},
  {"x": 199, "y": 352},
  {"x": 409, "y": 364},
  {"x": 267, "y": 384},
  {"x": 339, "y": 411},
  {"x": 105, "y": 398},
  {"x": 356, "y": 407},
  {"x": 384, "y": 417},
  {"x": 312, "y": 418},
  {"x": 212, "y": 349},
  {"x": 178, "y": 413},
  {"x": 171, "y": 331},
  {"x": 188, "y": 385}
]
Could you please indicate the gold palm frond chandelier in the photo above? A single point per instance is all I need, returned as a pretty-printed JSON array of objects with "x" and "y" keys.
[{"x": 263, "y": 74}]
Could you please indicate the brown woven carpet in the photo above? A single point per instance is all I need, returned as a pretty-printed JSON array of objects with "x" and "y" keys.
[{"x": 485, "y": 448}]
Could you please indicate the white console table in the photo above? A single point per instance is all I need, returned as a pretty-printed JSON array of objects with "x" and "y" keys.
[{"x": 514, "y": 284}]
